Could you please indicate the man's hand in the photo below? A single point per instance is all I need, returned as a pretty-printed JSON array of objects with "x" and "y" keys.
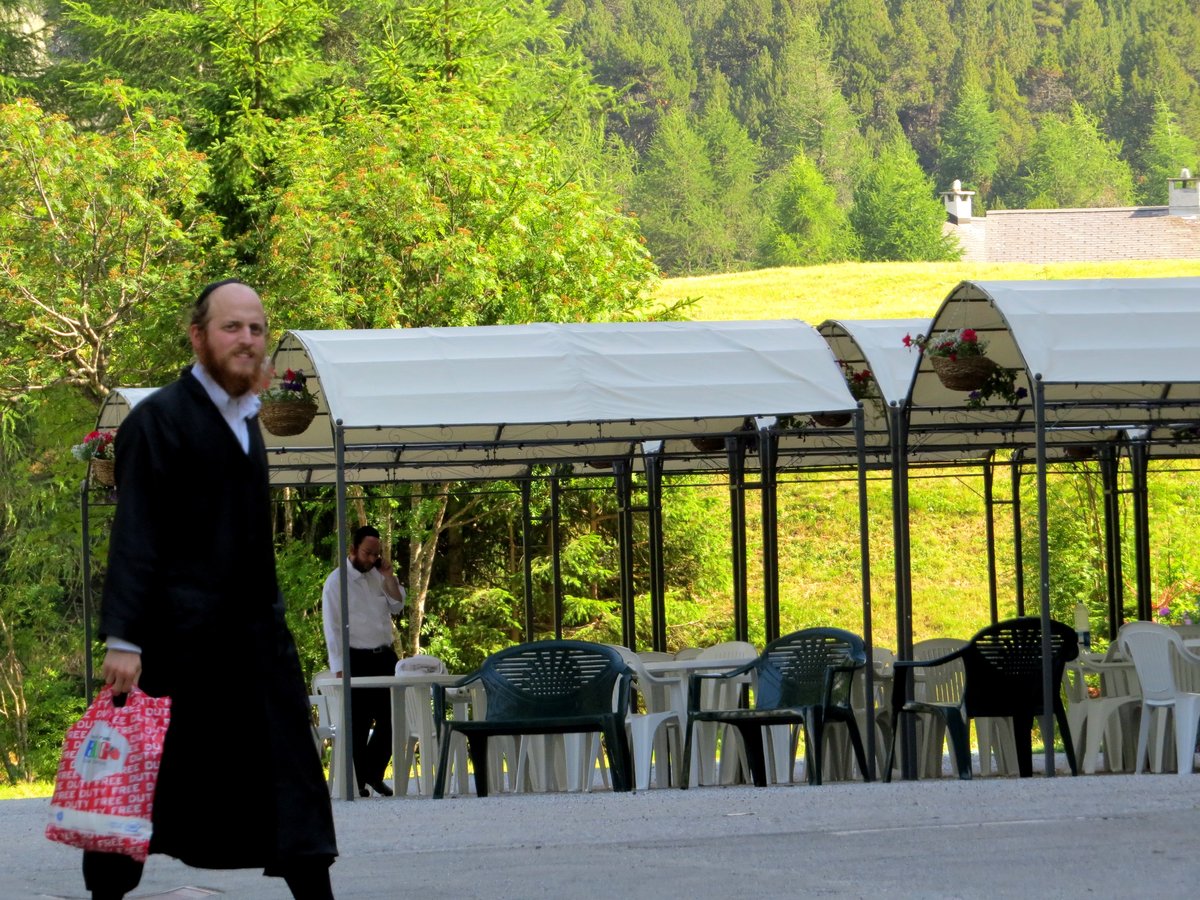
[{"x": 121, "y": 669}]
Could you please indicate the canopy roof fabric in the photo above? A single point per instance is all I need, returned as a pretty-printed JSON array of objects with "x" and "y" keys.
[
  {"x": 1112, "y": 354},
  {"x": 1115, "y": 356},
  {"x": 412, "y": 401}
]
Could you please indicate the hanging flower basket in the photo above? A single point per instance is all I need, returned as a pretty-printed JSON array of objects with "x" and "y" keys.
[
  {"x": 833, "y": 420},
  {"x": 1076, "y": 451},
  {"x": 104, "y": 471},
  {"x": 963, "y": 373},
  {"x": 284, "y": 418}
]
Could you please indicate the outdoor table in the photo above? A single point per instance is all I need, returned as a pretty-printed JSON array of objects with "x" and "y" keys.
[
  {"x": 397, "y": 685},
  {"x": 679, "y": 670}
]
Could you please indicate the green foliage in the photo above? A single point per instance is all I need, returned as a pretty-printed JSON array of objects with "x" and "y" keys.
[
  {"x": 22, "y": 35},
  {"x": 1072, "y": 164},
  {"x": 104, "y": 236},
  {"x": 439, "y": 217},
  {"x": 970, "y": 150},
  {"x": 1167, "y": 150},
  {"x": 860, "y": 32},
  {"x": 466, "y": 624},
  {"x": 896, "y": 212},
  {"x": 302, "y": 575},
  {"x": 231, "y": 70},
  {"x": 680, "y": 197},
  {"x": 804, "y": 225}
]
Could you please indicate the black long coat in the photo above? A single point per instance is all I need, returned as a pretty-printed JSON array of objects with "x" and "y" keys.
[{"x": 191, "y": 580}]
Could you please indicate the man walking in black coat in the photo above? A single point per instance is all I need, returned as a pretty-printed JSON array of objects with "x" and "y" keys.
[{"x": 192, "y": 610}]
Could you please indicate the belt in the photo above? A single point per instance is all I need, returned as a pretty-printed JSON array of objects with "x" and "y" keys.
[{"x": 383, "y": 649}]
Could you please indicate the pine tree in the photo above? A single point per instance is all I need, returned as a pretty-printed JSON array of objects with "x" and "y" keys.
[
  {"x": 805, "y": 225},
  {"x": 1071, "y": 164},
  {"x": 896, "y": 213},
  {"x": 1166, "y": 150},
  {"x": 970, "y": 142}
]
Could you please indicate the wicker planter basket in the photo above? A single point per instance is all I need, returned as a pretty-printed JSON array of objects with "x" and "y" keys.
[
  {"x": 833, "y": 420},
  {"x": 1076, "y": 451},
  {"x": 104, "y": 472},
  {"x": 709, "y": 444},
  {"x": 284, "y": 418},
  {"x": 967, "y": 373}
]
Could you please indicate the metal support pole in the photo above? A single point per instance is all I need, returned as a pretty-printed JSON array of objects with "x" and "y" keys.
[
  {"x": 768, "y": 445},
  {"x": 903, "y": 576},
  {"x": 556, "y": 556},
  {"x": 1048, "y": 687},
  {"x": 347, "y": 724},
  {"x": 864, "y": 549},
  {"x": 735, "y": 451},
  {"x": 1110, "y": 472},
  {"x": 1138, "y": 466},
  {"x": 527, "y": 553},
  {"x": 989, "y": 505},
  {"x": 85, "y": 521},
  {"x": 658, "y": 592},
  {"x": 1018, "y": 543},
  {"x": 623, "y": 479}
]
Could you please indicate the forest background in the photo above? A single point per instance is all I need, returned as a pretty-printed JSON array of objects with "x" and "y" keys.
[{"x": 469, "y": 162}]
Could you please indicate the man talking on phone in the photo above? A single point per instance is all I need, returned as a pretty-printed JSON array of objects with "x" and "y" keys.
[{"x": 375, "y": 595}]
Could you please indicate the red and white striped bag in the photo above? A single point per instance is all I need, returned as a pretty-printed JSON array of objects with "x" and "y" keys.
[{"x": 105, "y": 786}]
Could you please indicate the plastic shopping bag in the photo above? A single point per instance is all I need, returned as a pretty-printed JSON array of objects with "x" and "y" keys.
[{"x": 106, "y": 776}]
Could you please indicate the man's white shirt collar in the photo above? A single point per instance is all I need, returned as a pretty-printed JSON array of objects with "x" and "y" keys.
[{"x": 234, "y": 410}]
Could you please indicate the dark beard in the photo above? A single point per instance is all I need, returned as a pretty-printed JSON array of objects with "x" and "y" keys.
[{"x": 360, "y": 566}]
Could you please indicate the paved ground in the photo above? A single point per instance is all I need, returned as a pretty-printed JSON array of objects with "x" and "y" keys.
[{"x": 1108, "y": 835}]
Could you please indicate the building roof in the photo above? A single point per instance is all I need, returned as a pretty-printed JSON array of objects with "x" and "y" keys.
[{"x": 1077, "y": 235}]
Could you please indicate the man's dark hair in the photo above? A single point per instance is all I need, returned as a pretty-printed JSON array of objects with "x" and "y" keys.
[
  {"x": 365, "y": 532},
  {"x": 200, "y": 307}
]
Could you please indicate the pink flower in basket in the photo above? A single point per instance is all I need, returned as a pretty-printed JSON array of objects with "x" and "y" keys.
[{"x": 97, "y": 445}]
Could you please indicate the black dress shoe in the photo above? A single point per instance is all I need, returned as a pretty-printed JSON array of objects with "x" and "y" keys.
[
  {"x": 380, "y": 787},
  {"x": 362, "y": 791}
]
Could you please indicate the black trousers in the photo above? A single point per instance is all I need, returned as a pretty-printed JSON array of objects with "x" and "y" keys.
[
  {"x": 110, "y": 876},
  {"x": 371, "y": 736}
]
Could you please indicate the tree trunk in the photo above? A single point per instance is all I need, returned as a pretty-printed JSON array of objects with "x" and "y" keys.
[{"x": 422, "y": 550}]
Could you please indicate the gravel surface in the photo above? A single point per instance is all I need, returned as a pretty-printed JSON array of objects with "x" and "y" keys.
[{"x": 1038, "y": 837}]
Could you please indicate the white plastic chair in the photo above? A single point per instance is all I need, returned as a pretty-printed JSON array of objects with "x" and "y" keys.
[
  {"x": 688, "y": 652},
  {"x": 421, "y": 733},
  {"x": 655, "y": 732},
  {"x": 722, "y": 695},
  {"x": 1159, "y": 656},
  {"x": 326, "y": 696},
  {"x": 323, "y": 730},
  {"x": 1097, "y": 720}
]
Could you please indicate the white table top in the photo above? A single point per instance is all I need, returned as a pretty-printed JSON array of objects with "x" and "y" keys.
[
  {"x": 389, "y": 681},
  {"x": 685, "y": 666}
]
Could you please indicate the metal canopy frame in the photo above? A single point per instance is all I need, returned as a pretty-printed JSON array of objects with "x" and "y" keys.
[{"x": 922, "y": 422}]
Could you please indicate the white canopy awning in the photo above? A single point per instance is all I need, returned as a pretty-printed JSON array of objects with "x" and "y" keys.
[{"x": 1112, "y": 354}]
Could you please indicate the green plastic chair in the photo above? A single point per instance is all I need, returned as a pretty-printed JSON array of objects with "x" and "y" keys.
[
  {"x": 544, "y": 687},
  {"x": 803, "y": 679}
]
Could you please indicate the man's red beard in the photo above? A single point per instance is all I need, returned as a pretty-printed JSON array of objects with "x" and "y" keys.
[{"x": 235, "y": 384}]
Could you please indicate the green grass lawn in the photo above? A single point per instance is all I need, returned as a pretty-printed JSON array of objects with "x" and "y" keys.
[{"x": 874, "y": 290}]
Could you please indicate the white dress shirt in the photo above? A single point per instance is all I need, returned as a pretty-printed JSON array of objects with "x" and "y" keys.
[{"x": 371, "y": 611}]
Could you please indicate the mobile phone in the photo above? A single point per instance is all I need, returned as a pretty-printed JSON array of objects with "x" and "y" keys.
[{"x": 379, "y": 562}]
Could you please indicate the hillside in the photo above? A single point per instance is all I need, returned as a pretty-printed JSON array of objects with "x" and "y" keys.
[{"x": 819, "y": 564}]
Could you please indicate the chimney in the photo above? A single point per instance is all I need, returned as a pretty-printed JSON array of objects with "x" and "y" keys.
[
  {"x": 1183, "y": 195},
  {"x": 958, "y": 203}
]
